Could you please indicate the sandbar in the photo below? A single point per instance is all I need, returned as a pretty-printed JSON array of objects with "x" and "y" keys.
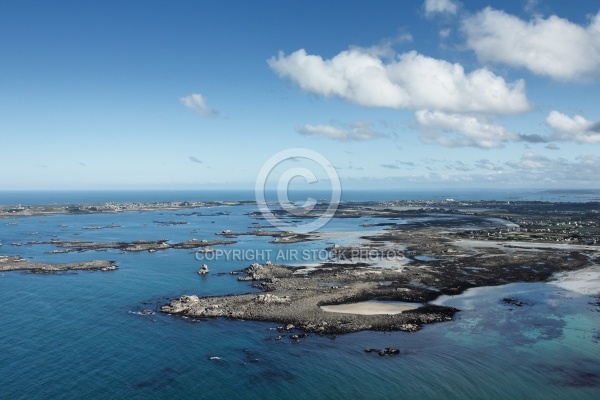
[{"x": 370, "y": 308}]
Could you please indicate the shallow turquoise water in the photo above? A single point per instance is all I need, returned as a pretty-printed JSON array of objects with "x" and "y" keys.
[{"x": 76, "y": 335}]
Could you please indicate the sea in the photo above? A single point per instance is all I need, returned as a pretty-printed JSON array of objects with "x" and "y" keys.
[{"x": 81, "y": 335}]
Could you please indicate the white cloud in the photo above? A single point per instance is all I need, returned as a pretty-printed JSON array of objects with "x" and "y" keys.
[
  {"x": 576, "y": 129},
  {"x": 358, "y": 131},
  {"x": 445, "y": 33},
  {"x": 458, "y": 130},
  {"x": 409, "y": 81},
  {"x": 440, "y": 7},
  {"x": 404, "y": 37},
  {"x": 553, "y": 46},
  {"x": 197, "y": 103}
]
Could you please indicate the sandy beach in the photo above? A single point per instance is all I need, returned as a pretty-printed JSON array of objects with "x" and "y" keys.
[
  {"x": 370, "y": 308},
  {"x": 585, "y": 281}
]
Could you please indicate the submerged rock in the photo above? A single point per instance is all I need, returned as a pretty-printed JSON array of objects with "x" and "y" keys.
[{"x": 514, "y": 302}]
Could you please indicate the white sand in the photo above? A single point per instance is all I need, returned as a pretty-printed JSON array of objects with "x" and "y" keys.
[
  {"x": 584, "y": 281},
  {"x": 469, "y": 243},
  {"x": 370, "y": 308}
]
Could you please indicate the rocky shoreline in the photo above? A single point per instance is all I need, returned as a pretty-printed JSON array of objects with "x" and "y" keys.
[
  {"x": 135, "y": 246},
  {"x": 411, "y": 263},
  {"x": 294, "y": 301},
  {"x": 435, "y": 248},
  {"x": 15, "y": 263}
]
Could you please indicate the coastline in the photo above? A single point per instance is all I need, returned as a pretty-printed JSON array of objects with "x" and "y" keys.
[
  {"x": 104, "y": 208},
  {"x": 433, "y": 261},
  {"x": 585, "y": 281},
  {"x": 417, "y": 256}
]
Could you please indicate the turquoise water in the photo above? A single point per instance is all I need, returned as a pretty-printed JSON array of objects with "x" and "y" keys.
[{"x": 77, "y": 335}]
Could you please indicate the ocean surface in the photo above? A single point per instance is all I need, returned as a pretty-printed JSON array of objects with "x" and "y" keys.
[
  {"x": 36, "y": 197},
  {"x": 80, "y": 335}
]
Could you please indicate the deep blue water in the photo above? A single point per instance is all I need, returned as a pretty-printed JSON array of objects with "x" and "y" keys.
[
  {"x": 77, "y": 335},
  {"x": 33, "y": 197}
]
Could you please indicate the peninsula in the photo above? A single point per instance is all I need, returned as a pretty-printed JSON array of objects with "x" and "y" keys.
[{"x": 429, "y": 252}]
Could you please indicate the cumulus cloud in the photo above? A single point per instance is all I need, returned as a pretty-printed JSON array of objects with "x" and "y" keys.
[
  {"x": 407, "y": 81},
  {"x": 552, "y": 46},
  {"x": 197, "y": 103},
  {"x": 452, "y": 105},
  {"x": 433, "y": 7},
  {"x": 458, "y": 130},
  {"x": 575, "y": 128},
  {"x": 358, "y": 131},
  {"x": 552, "y": 146}
]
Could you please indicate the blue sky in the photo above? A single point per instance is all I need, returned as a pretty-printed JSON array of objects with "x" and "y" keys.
[{"x": 199, "y": 94}]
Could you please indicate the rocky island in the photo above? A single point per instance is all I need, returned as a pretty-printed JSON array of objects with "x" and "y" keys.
[
  {"x": 152, "y": 246},
  {"x": 15, "y": 263},
  {"x": 299, "y": 301}
]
